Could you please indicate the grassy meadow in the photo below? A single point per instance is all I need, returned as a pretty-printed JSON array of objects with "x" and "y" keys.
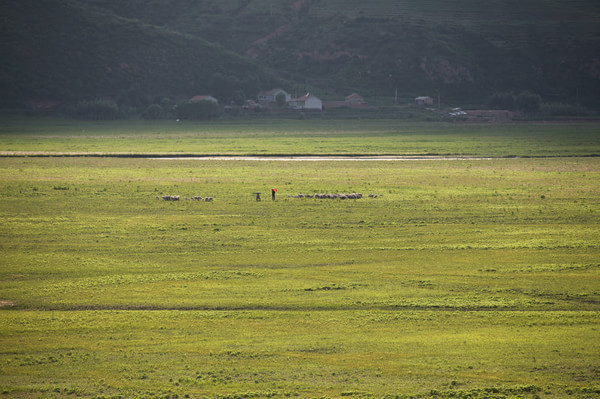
[
  {"x": 297, "y": 137},
  {"x": 475, "y": 278}
]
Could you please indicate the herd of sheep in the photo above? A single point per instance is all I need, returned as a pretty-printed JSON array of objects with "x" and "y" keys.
[
  {"x": 177, "y": 198},
  {"x": 315, "y": 195},
  {"x": 334, "y": 196}
]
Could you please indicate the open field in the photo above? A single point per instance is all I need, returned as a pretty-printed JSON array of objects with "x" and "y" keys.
[
  {"x": 299, "y": 137},
  {"x": 463, "y": 278}
]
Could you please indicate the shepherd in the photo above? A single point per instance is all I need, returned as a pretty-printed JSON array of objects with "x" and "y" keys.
[{"x": 273, "y": 191}]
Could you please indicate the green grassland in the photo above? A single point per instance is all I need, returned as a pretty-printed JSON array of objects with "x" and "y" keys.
[
  {"x": 464, "y": 278},
  {"x": 298, "y": 137}
]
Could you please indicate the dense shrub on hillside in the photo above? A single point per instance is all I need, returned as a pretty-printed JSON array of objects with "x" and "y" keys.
[
  {"x": 528, "y": 102},
  {"x": 198, "y": 110},
  {"x": 95, "y": 110},
  {"x": 280, "y": 99},
  {"x": 154, "y": 111},
  {"x": 238, "y": 97},
  {"x": 525, "y": 101},
  {"x": 561, "y": 109},
  {"x": 502, "y": 100}
]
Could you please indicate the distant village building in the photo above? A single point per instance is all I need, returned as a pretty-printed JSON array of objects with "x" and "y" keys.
[
  {"x": 271, "y": 96},
  {"x": 355, "y": 99},
  {"x": 308, "y": 102},
  {"x": 424, "y": 100},
  {"x": 204, "y": 98}
]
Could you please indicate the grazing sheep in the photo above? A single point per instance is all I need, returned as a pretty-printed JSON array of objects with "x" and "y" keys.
[
  {"x": 331, "y": 196},
  {"x": 171, "y": 197}
]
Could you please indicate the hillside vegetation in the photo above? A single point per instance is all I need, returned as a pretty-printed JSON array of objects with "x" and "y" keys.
[
  {"x": 63, "y": 50},
  {"x": 464, "y": 50}
]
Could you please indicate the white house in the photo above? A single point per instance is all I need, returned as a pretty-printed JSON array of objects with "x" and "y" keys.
[
  {"x": 271, "y": 96},
  {"x": 204, "y": 98},
  {"x": 308, "y": 101}
]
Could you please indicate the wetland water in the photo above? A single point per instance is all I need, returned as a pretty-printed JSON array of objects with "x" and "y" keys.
[
  {"x": 326, "y": 158},
  {"x": 277, "y": 157}
]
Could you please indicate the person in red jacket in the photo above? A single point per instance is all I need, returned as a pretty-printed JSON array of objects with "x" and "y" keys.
[{"x": 273, "y": 191}]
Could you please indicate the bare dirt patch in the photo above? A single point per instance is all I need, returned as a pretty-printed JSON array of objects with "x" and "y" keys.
[{"x": 7, "y": 304}]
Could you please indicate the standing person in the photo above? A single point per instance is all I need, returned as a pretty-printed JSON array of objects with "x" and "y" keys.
[
  {"x": 273, "y": 191},
  {"x": 257, "y": 196}
]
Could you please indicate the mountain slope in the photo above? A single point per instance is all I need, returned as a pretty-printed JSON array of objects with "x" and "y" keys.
[
  {"x": 64, "y": 50},
  {"x": 544, "y": 46},
  {"x": 464, "y": 48}
]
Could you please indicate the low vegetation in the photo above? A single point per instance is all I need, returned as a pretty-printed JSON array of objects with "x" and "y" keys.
[
  {"x": 313, "y": 136},
  {"x": 95, "y": 110},
  {"x": 525, "y": 101},
  {"x": 197, "y": 110},
  {"x": 562, "y": 110}
]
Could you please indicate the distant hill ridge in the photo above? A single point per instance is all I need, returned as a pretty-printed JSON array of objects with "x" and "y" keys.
[
  {"x": 465, "y": 49},
  {"x": 67, "y": 50}
]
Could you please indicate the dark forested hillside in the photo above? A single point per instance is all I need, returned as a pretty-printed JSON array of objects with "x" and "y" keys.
[
  {"x": 65, "y": 50},
  {"x": 465, "y": 49}
]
